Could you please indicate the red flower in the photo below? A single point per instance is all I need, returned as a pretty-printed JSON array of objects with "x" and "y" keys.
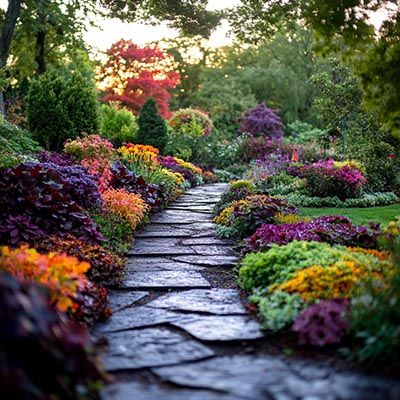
[{"x": 391, "y": 156}]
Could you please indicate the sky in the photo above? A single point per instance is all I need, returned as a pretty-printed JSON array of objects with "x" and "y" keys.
[{"x": 111, "y": 30}]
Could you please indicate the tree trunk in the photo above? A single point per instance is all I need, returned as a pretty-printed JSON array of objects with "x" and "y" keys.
[
  {"x": 40, "y": 55},
  {"x": 13, "y": 10},
  {"x": 41, "y": 37}
]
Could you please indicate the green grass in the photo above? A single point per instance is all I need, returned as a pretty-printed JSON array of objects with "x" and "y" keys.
[{"x": 359, "y": 216}]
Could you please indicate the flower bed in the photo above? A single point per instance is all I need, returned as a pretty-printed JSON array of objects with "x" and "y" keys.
[
  {"x": 323, "y": 278},
  {"x": 66, "y": 220}
]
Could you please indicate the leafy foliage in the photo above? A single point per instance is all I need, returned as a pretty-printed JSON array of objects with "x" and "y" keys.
[
  {"x": 323, "y": 323},
  {"x": 280, "y": 263},
  {"x": 105, "y": 267},
  {"x": 123, "y": 178},
  {"x": 15, "y": 144},
  {"x": 278, "y": 309},
  {"x": 61, "y": 274},
  {"x": 30, "y": 330},
  {"x": 133, "y": 74},
  {"x": 53, "y": 198},
  {"x": 262, "y": 121},
  {"x": 330, "y": 229},
  {"x": 245, "y": 216},
  {"x": 329, "y": 179},
  {"x": 61, "y": 107},
  {"x": 152, "y": 128},
  {"x": 119, "y": 126},
  {"x": 375, "y": 313}
]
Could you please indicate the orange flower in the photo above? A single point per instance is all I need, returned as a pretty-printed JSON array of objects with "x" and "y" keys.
[
  {"x": 61, "y": 274},
  {"x": 127, "y": 206}
]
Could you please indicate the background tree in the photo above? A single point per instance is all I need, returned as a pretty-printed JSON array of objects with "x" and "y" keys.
[
  {"x": 61, "y": 107},
  {"x": 152, "y": 127},
  {"x": 132, "y": 74},
  {"x": 344, "y": 26}
]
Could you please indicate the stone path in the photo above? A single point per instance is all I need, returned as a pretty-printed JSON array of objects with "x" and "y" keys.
[{"x": 181, "y": 332}]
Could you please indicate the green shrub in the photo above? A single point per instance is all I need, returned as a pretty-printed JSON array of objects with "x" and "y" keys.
[
  {"x": 277, "y": 310},
  {"x": 280, "y": 263},
  {"x": 366, "y": 200},
  {"x": 189, "y": 117},
  {"x": 281, "y": 184},
  {"x": 118, "y": 233},
  {"x": 303, "y": 133},
  {"x": 119, "y": 126},
  {"x": 152, "y": 127},
  {"x": 15, "y": 144},
  {"x": 60, "y": 107},
  {"x": 183, "y": 143}
]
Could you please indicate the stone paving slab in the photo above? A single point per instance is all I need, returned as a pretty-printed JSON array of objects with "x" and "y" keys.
[
  {"x": 211, "y": 261},
  {"x": 219, "y": 328},
  {"x": 205, "y": 241},
  {"x": 143, "y": 250},
  {"x": 270, "y": 377},
  {"x": 151, "y": 347},
  {"x": 162, "y": 231},
  {"x": 182, "y": 218},
  {"x": 164, "y": 279},
  {"x": 212, "y": 251},
  {"x": 213, "y": 301},
  {"x": 121, "y": 299},
  {"x": 139, "y": 391},
  {"x": 202, "y": 327},
  {"x": 145, "y": 264}
]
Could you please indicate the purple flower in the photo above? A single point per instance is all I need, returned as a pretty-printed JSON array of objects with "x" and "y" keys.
[
  {"x": 332, "y": 229},
  {"x": 324, "y": 179},
  {"x": 323, "y": 323}
]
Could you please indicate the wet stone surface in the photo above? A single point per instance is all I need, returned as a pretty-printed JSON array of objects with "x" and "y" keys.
[
  {"x": 151, "y": 347},
  {"x": 214, "y": 301},
  {"x": 179, "y": 311}
]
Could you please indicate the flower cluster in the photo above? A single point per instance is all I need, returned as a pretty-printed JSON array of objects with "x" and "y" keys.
[
  {"x": 105, "y": 267},
  {"x": 172, "y": 164},
  {"x": 323, "y": 323},
  {"x": 127, "y": 206},
  {"x": 329, "y": 179},
  {"x": 91, "y": 146},
  {"x": 61, "y": 274},
  {"x": 94, "y": 153},
  {"x": 330, "y": 229},
  {"x": 338, "y": 280},
  {"x": 253, "y": 211}
]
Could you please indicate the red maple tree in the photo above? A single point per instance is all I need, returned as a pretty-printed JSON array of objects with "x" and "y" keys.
[{"x": 132, "y": 74}]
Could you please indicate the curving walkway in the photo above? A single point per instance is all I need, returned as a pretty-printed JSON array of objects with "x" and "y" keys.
[{"x": 180, "y": 331}]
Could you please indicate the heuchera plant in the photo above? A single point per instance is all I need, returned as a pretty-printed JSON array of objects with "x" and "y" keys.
[
  {"x": 262, "y": 121},
  {"x": 54, "y": 198},
  {"x": 323, "y": 323},
  {"x": 253, "y": 211},
  {"x": 30, "y": 332},
  {"x": 123, "y": 178},
  {"x": 331, "y": 229}
]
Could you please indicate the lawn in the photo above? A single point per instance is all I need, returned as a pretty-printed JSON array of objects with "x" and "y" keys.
[{"x": 382, "y": 214}]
